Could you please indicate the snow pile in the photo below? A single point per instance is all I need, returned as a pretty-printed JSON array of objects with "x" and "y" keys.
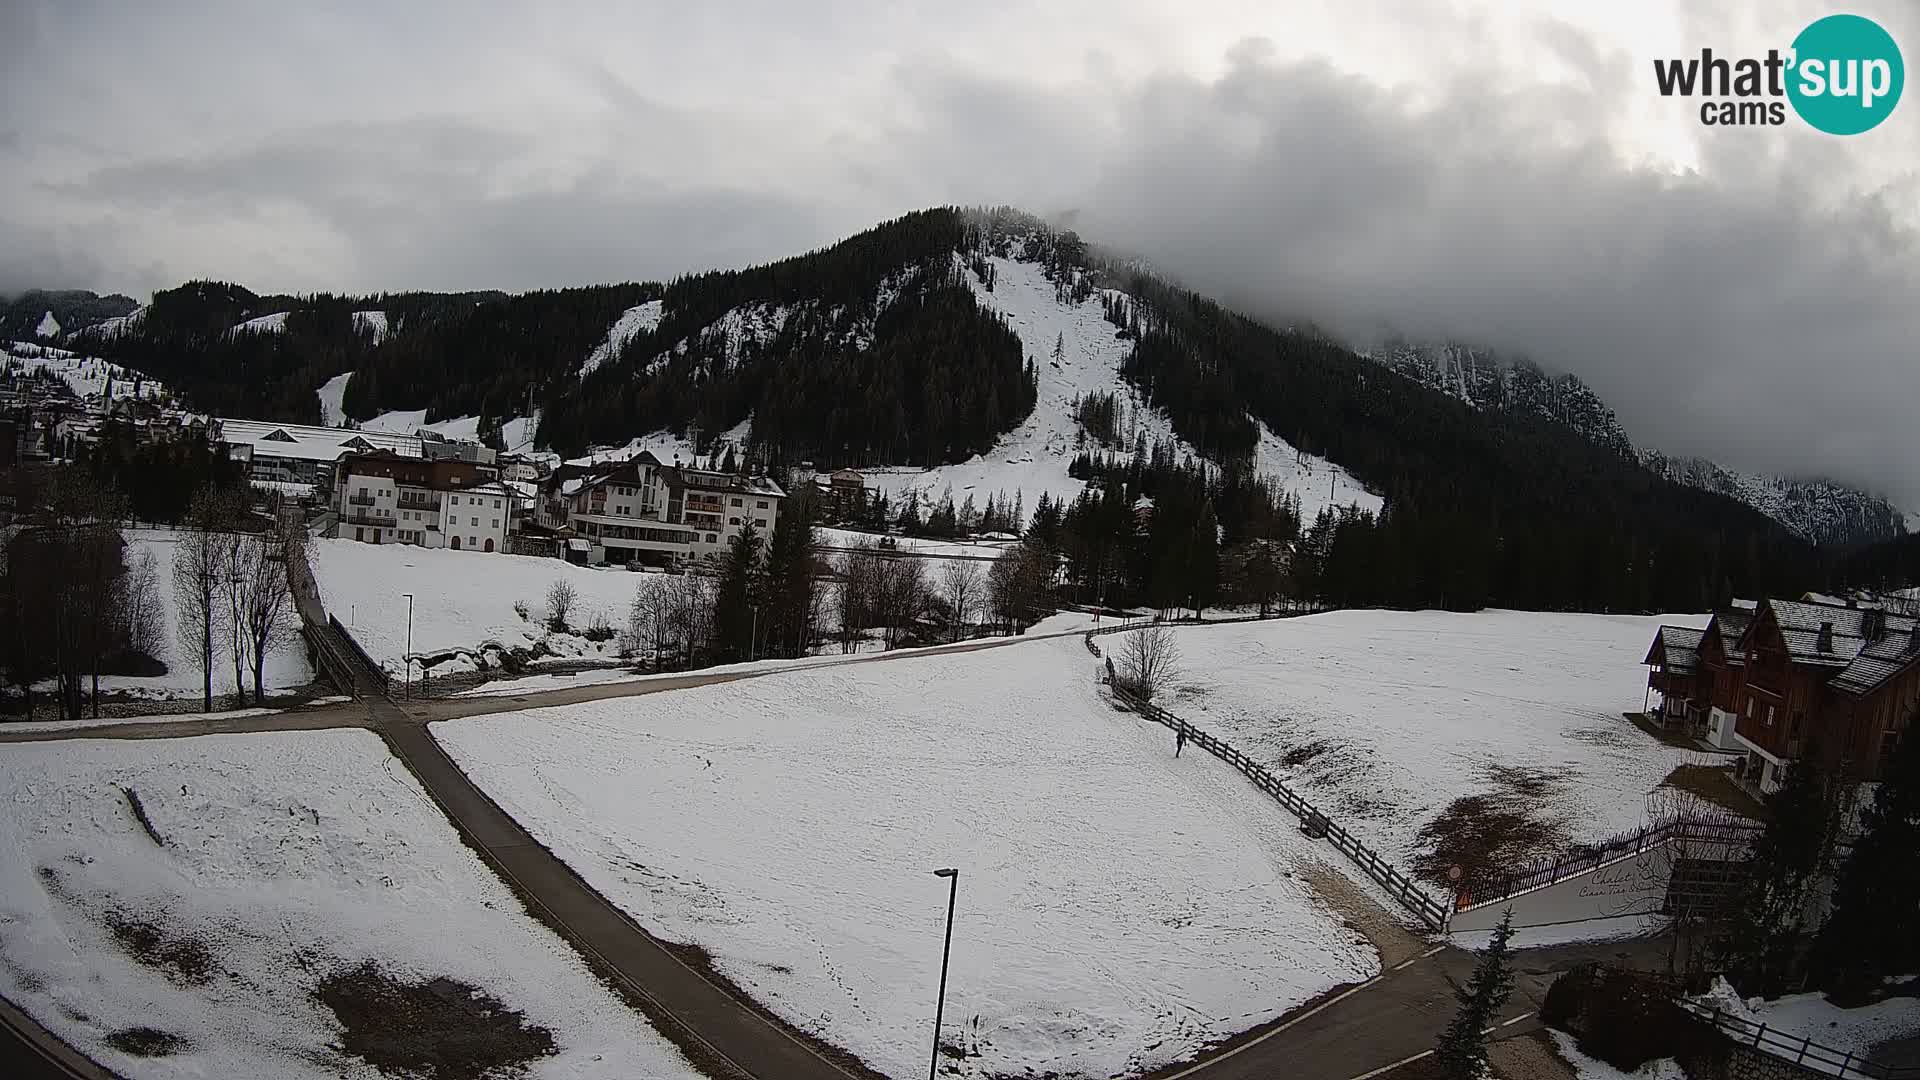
[
  {"x": 288, "y": 858},
  {"x": 1594, "y": 1069},
  {"x": 275, "y": 323},
  {"x": 632, "y": 322},
  {"x": 331, "y": 394},
  {"x": 462, "y": 600},
  {"x": 371, "y": 322},
  {"x": 49, "y": 326},
  {"x": 1118, "y": 908},
  {"x": 1383, "y": 718},
  {"x": 1812, "y": 1016}
]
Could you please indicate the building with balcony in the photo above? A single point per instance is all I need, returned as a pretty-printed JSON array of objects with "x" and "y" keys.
[
  {"x": 302, "y": 453},
  {"x": 640, "y": 510},
  {"x": 1839, "y": 678},
  {"x": 385, "y": 498}
]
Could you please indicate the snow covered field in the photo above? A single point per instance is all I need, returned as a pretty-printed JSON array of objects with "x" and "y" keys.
[
  {"x": 461, "y": 600},
  {"x": 289, "y": 859},
  {"x": 286, "y": 670},
  {"x": 1118, "y": 908},
  {"x": 1385, "y": 717}
]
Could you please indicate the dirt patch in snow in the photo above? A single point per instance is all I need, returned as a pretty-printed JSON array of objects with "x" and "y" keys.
[
  {"x": 441, "y": 1029},
  {"x": 1392, "y": 940},
  {"x": 1490, "y": 833},
  {"x": 182, "y": 959},
  {"x": 146, "y": 1042},
  {"x": 1305, "y": 752}
]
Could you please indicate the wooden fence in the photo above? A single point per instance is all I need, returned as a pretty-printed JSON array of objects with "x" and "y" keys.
[
  {"x": 1796, "y": 1049},
  {"x": 1398, "y": 885}
]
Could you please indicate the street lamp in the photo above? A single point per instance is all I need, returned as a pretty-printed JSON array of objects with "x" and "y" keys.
[
  {"x": 940, "y": 1005},
  {"x": 409, "y": 654}
]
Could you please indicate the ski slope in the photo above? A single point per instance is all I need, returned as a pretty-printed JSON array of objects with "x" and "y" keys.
[
  {"x": 331, "y": 394},
  {"x": 634, "y": 321},
  {"x": 288, "y": 858},
  {"x": 1118, "y": 908},
  {"x": 1034, "y": 457},
  {"x": 86, "y": 376}
]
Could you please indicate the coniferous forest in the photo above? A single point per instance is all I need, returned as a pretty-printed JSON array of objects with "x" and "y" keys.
[{"x": 875, "y": 351}]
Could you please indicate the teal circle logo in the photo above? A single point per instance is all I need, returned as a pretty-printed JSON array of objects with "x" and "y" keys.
[{"x": 1846, "y": 74}]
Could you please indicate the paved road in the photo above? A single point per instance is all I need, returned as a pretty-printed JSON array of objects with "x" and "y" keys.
[{"x": 1393, "y": 1017}]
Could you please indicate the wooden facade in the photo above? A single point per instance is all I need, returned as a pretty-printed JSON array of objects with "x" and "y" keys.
[{"x": 1785, "y": 678}]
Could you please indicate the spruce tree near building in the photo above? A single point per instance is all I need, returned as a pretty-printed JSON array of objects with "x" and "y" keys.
[
  {"x": 787, "y": 611},
  {"x": 1874, "y": 929},
  {"x": 734, "y": 614},
  {"x": 1462, "y": 1051},
  {"x": 1759, "y": 942}
]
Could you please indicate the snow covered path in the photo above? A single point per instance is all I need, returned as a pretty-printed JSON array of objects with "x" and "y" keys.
[{"x": 1114, "y": 914}]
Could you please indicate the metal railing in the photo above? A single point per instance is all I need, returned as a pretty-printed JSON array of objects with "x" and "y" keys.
[
  {"x": 366, "y": 662},
  {"x": 1590, "y": 857},
  {"x": 1797, "y": 1049},
  {"x": 360, "y": 500}
]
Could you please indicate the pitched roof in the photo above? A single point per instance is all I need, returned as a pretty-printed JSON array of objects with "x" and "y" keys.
[
  {"x": 1678, "y": 649},
  {"x": 1731, "y": 624},
  {"x": 1831, "y": 635},
  {"x": 308, "y": 443}
]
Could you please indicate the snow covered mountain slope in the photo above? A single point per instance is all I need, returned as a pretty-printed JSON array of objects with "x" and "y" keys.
[
  {"x": 86, "y": 376},
  {"x": 640, "y": 319},
  {"x": 1486, "y": 381},
  {"x": 1820, "y": 510},
  {"x": 331, "y": 394},
  {"x": 373, "y": 323},
  {"x": 1077, "y": 353}
]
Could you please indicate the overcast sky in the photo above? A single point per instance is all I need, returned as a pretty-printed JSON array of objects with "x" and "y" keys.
[{"x": 1496, "y": 172}]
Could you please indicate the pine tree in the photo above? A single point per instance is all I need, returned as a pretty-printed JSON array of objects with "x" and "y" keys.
[
  {"x": 1202, "y": 570},
  {"x": 733, "y": 611},
  {"x": 1462, "y": 1051},
  {"x": 1874, "y": 928},
  {"x": 1758, "y": 942},
  {"x": 788, "y": 610}
]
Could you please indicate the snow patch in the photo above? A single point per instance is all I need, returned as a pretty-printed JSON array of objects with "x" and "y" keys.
[
  {"x": 275, "y": 323},
  {"x": 49, "y": 326},
  {"x": 371, "y": 322},
  {"x": 1319, "y": 483},
  {"x": 331, "y": 394},
  {"x": 637, "y": 320},
  {"x": 86, "y": 376}
]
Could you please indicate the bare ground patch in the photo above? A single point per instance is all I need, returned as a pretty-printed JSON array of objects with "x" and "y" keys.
[
  {"x": 147, "y": 1042},
  {"x": 1715, "y": 784},
  {"x": 1392, "y": 940},
  {"x": 439, "y": 1029},
  {"x": 182, "y": 959},
  {"x": 1487, "y": 834}
]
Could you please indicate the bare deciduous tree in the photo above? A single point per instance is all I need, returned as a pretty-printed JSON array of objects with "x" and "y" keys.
[
  {"x": 268, "y": 622},
  {"x": 144, "y": 622},
  {"x": 1148, "y": 658},
  {"x": 960, "y": 586},
  {"x": 561, "y": 597},
  {"x": 199, "y": 563}
]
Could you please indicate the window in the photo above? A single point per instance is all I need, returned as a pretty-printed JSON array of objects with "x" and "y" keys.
[
  {"x": 475, "y": 522},
  {"x": 733, "y": 521},
  {"x": 736, "y": 502},
  {"x": 1769, "y": 716},
  {"x": 711, "y": 539},
  {"x": 496, "y": 504},
  {"x": 454, "y": 499},
  {"x": 1749, "y": 708},
  {"x": 496, "y": 523},
  {"x": 761, "y": 505},
  {"x": 759, "y": 523},
  {"x": 472, "y": 540}
]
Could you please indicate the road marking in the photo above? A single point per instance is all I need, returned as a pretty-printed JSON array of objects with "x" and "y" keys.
[
  {"x": 1410, "y": 961},
  {"x": 1384, "y": 1069},
  {"x": 1515, "y": 1020}
]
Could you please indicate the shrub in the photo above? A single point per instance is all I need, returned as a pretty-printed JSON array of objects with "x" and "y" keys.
[
  {"x": 520, "y": 608},
  {"x": 1626, "y": 1018},
  {"x": 561, "y": 597},
  {"x": 599, "y": 630}
]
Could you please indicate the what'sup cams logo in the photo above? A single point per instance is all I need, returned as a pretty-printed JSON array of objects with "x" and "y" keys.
[{"x": 1843, "y": 76}]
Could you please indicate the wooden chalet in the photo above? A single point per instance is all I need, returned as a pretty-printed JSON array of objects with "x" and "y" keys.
[{"x": 1785, "y": 678}]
